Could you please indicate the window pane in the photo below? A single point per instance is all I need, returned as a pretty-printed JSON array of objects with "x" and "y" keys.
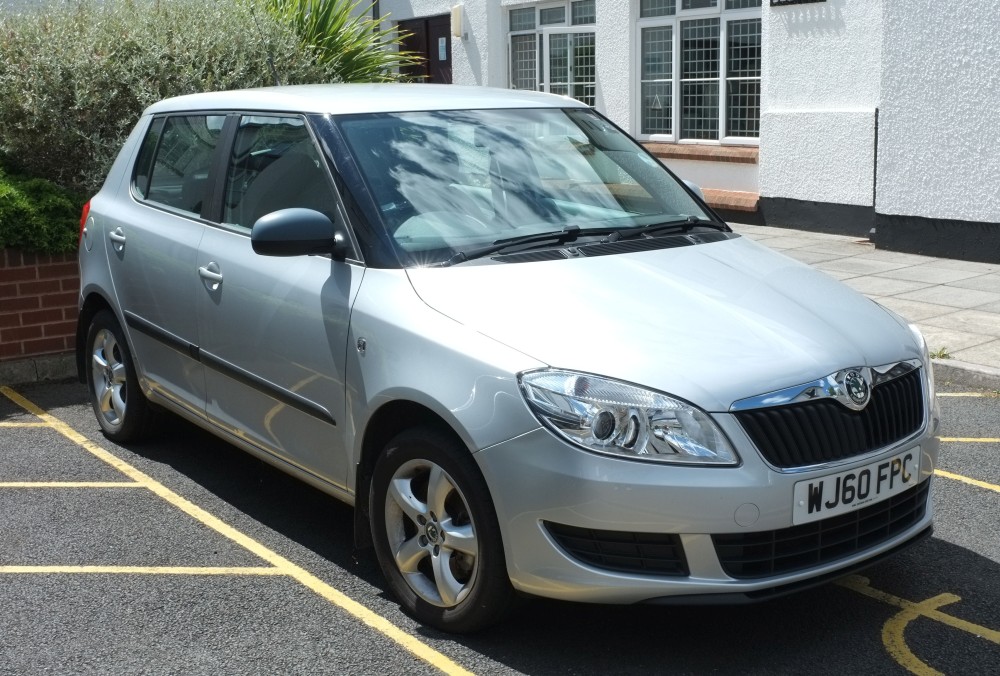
[
  {"x": 584, "y": 72},
  {"x": 699, "y": 79},
  {"x": 700, "y": 49},
  {"x": 743, "y": 108},
  {"x": 274, "y": 165},
  {"x": 180, "y": 172},
  {"x": 656, "y": 86},
  {"x": 743, "y": 48},
  {"x": 698, "y": 4},
  {"x": 742, "y": 4},
  {"x": 743, "y": 82},
  {"x": 523, "y": 66},
  {"x": 522, "y": 19},
  {"x": 552, "y": 15},
  {"x": 649, "y": 8},
  {"x": 700, "y": 110},
  {"x": 144, "y": 164},
  {"x": 558, "y": 60},
  {"x": 584, "y": 12}
]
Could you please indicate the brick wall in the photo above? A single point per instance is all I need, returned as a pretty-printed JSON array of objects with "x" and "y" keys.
[{"x": 38, "y": 297}]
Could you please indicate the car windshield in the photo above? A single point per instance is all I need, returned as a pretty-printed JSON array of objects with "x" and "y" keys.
[{"x": 449, "y": 182}]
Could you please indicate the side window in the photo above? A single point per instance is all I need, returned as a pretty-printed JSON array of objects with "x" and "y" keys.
[
  {"x": 174, "y": 161},
  {"x": 274, "y": 165}
]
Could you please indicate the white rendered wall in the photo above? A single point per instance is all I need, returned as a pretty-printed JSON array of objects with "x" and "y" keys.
[
  {"x": 820, "y": 86},
  {"x": 938, "y": 124}
]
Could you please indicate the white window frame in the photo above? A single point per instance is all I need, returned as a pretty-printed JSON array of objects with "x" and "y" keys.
[
  {"x": 675, "y": 20},
  {"x": 542, "y": 44}
]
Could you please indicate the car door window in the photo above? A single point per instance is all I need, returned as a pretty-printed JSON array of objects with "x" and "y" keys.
[
  {"x": 173, "y": 164},
  {"x": 274, "y": 165}
]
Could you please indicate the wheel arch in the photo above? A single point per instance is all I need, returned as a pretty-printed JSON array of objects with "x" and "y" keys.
[
  {"x": 385, "y": 423},
  {"x": 92, "y": 304}
]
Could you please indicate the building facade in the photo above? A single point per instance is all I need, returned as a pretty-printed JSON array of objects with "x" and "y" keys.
[{"x": 865, "y": 117}]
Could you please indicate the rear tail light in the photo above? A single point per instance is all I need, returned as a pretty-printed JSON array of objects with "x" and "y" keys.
[{"x": 83, "y": 222}]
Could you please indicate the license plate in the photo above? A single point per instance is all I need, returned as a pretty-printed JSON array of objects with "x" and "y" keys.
[{"x": 835, "y": 494}]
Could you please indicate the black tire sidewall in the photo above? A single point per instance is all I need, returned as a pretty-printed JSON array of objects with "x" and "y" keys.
[{"x": 491, "y": 594}]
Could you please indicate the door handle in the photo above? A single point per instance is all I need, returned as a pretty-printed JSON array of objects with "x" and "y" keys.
[
  {"x": 118, "y": 238},
  {"x": 212, "y": 274}
]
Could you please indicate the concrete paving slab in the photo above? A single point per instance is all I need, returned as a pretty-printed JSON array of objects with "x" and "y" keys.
[
  {"x": 986, "y": 353},
  {"x": 873, "y": 285},
  {"x": 915, "y": 311},
  {"x": 950, "y": 340},
  {"x": 929, "y": 274},
  {"x": 949, "y": 295},
  {"x": 859, "y": 266},
  {"x": 989, "y": 282},
  {"x": 971, "y": 321}
]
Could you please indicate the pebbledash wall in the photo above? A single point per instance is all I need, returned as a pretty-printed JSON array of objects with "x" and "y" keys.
[{"x": 878, "y": 117}]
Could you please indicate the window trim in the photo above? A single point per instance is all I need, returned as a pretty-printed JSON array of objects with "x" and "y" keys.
[
  {"x": 675, "y": 20},
  {"x": 542, "y": 45}
]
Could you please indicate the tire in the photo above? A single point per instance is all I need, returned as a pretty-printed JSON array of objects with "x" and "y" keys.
[
  {"x": 436, "y": 534},
  {"x": 122, "y": 410}
]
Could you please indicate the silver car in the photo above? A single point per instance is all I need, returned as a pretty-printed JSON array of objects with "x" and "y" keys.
[{"x": 534, "y": 361}]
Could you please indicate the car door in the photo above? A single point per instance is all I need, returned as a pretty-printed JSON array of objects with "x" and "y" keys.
[
  {"x": 274, "y": 330},
  {"x": 152, "y": 250}
]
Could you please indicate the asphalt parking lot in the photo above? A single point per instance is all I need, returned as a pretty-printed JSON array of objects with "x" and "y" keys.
[{"x": 184, "y": 555}]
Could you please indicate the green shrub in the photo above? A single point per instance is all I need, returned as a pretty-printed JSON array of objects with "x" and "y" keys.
[
  {"x": 341, "y": 34},
  {"x": 36, "y": 215},
  {"x": 74, "y": 79}
]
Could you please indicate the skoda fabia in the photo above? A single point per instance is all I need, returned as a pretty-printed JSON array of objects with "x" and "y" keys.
[{"x": 533, "y": 361}]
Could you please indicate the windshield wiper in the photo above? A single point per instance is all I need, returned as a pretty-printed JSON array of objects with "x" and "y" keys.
[
  {"x": 567, "y": 234},
  {"x": 682, "y": 225}
]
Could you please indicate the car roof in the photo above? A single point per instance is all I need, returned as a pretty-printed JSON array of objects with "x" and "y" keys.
[{"x": 363, "y": 98}]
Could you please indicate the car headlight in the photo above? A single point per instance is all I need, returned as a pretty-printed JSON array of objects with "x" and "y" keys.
[{"x": 609, "y": 416}]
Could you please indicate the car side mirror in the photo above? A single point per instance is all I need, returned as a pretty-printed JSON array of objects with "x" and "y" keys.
[
  {"x": 693, "y": 187},
  {"x": 297, "y": 232}
]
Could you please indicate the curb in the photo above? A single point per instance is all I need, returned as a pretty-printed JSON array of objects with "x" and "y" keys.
[
  {"x": 965, "y": 374},
  {"x": 48, "y": 368},
  {"x": 63, "y": 367}
]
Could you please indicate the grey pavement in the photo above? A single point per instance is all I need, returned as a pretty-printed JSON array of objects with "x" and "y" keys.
[{"x": 956, "y": 304}]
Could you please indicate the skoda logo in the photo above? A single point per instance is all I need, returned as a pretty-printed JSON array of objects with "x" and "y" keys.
[{"x": 857, "y": 388}]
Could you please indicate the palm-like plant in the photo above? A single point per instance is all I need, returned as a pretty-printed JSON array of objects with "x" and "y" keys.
[{"x": 346, "y": 39}]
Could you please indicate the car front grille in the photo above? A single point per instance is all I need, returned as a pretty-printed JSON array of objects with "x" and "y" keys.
[
  {"x": 622, "y": 552},
  {"x": 768, "y": 553},
  {"x": 816, "y": 432}
]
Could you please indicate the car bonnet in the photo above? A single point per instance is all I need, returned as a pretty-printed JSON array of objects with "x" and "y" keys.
[{"x": 710, "y": 323}]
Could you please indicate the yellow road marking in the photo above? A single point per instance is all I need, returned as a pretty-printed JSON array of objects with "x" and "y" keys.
[
  {"x": 304, "y": 577},
  {"x": 24, "y": 424},
  {"x": 893, "y": 630},
  {"x": 141, "y": 570},
  {"x": 964, "y": 394},
  {"x": 971, "y": 440},
  {"x": 967, "y": 480},
  {"x": 70, "y": 484}
]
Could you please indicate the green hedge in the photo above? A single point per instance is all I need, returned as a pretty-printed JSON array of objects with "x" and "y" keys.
[
  {"x": 37, "y": 215},
  {"x": 75, "y": 77}
]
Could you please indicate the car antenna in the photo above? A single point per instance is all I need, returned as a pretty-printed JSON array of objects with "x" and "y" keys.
[{"x": 270, "y": 59}]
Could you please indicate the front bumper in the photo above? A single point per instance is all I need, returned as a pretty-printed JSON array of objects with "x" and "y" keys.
[{"x": 538, "y": 481}]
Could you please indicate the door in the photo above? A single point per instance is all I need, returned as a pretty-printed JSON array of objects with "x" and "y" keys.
[
  {"x": 274, "y": 330},
  {"x": 152, "y": 250},
  {"x": 430, "y": 37}
]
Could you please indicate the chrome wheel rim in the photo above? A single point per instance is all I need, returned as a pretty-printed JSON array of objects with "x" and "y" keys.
[
  {"x": 431, "y": 534},
  {"x": 108, "y": 369}
]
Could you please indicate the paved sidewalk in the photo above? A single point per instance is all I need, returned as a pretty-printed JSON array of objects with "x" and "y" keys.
[{"x": 956, "y": 304}]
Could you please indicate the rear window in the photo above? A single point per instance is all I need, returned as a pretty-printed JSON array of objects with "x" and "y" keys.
[{"x": 174, "y": 161}]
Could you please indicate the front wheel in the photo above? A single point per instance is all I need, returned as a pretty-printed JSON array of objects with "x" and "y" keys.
[
  {"x": 122, "y": 410},
  {"x": 436, "y": 534}
]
